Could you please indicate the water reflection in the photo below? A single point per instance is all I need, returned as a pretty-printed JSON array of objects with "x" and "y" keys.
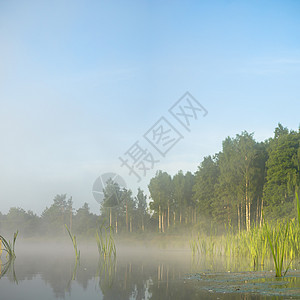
[
  {"x": 8, "y": 268},
  {"x": 107, "y": 269},
  {"x": 133, "y": 275}
]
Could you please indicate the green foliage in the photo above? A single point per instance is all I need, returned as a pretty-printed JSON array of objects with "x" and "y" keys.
[
  {"x": 204, "y": 188},
  {"x": 19, "y": 218},
  {"x": 112, "y": 194},
  {"x": 160, "y": 188},
  {"x": 141, "y": 200},
  {"x": 57, "y": 215},
  {"x": 283, "y": 173},
  {"x": 240, "y": 180},
  {"x": 84, "y": 222},
  {"x": 180, "y": 202}
]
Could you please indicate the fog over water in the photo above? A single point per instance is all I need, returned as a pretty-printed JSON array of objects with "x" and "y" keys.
[{"x": 49, "y": 270}]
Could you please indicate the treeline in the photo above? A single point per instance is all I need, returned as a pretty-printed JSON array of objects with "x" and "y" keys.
[
  {"x": 52, "y": 220},
  {"x": 231, "y": 189},
  {"x": 234, "y": 187},
  {"x": 120, "y": 210}
]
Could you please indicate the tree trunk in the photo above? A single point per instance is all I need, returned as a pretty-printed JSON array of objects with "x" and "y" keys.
[
  {"x": 249, "y": 212},
  {"x": 130, "y": 224},
  {"x": 246, "y": 203},
  {"x": 116, "y": 223},
  {"x": 159, "y": 219},
  {"x": 242, "y": 215},
  {"x": 261, "y": 213},
  {"x": 168, "y": 215},
  {"x": 246, "y": 214},
  {"x": 162, "y": 222},
  {"x": 143, "y": 228},
  {"x": 174, "y": 218},
  {"x": 126, "y": 217}
]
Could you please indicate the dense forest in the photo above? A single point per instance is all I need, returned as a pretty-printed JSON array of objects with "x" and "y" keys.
[{"x": 231, "y": 189}]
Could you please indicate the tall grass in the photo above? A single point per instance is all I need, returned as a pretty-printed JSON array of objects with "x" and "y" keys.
[
  {"x": 8, "y": 246},
  {"x": 74, "y": 242},
  {"x": 105, "y": 242},
  {"x": 279, "y": 242},
  {"x": 277, "y": 245},
  {"x": 253, "y": 244},
  {"x": 77, "y": 254}
]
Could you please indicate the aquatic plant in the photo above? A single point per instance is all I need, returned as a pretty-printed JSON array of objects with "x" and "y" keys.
[
  {"x": 105, "y": 242},
  {"x": 279, "y": 241},
  {"x": 195, "y": 244},
  {"x": 8, "y": 246},
  {"x": 253, "y": 244},
  {"x": 277, "y": 245},
  {"x": 74, "y": 241},
  {"x": 205, "y": 245}
]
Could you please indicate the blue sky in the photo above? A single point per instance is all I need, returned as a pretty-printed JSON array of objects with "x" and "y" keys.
[{"x": 82, "y": 81}]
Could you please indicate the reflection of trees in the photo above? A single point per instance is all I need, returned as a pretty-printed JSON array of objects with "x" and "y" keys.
[
  {"x": 56, "y": 269},
  {"x": 132, "y": 276},
  {"x": 140, "y": 276},
  {"x": 129, "y": 281}
]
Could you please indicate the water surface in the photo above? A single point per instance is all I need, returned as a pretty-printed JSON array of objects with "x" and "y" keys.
[{"x": 139, "y": 273}]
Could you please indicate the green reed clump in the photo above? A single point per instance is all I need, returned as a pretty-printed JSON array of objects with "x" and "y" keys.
[
  {"x": 8, "y": 246},
  {"x": 105, "y": 242},
  {"x": 195, "y": 245},
  {"x": 74, "y": 241},
  {"x": 253, "y": 244},
  {"x": 277, "y": 242},
  {"x": 203, "y": 245}
]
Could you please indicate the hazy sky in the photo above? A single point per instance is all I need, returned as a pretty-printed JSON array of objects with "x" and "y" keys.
[{"x": 82, "y": 81}]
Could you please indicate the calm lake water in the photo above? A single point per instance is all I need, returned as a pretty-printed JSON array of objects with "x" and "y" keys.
[{"x": 50, "y": 272}]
